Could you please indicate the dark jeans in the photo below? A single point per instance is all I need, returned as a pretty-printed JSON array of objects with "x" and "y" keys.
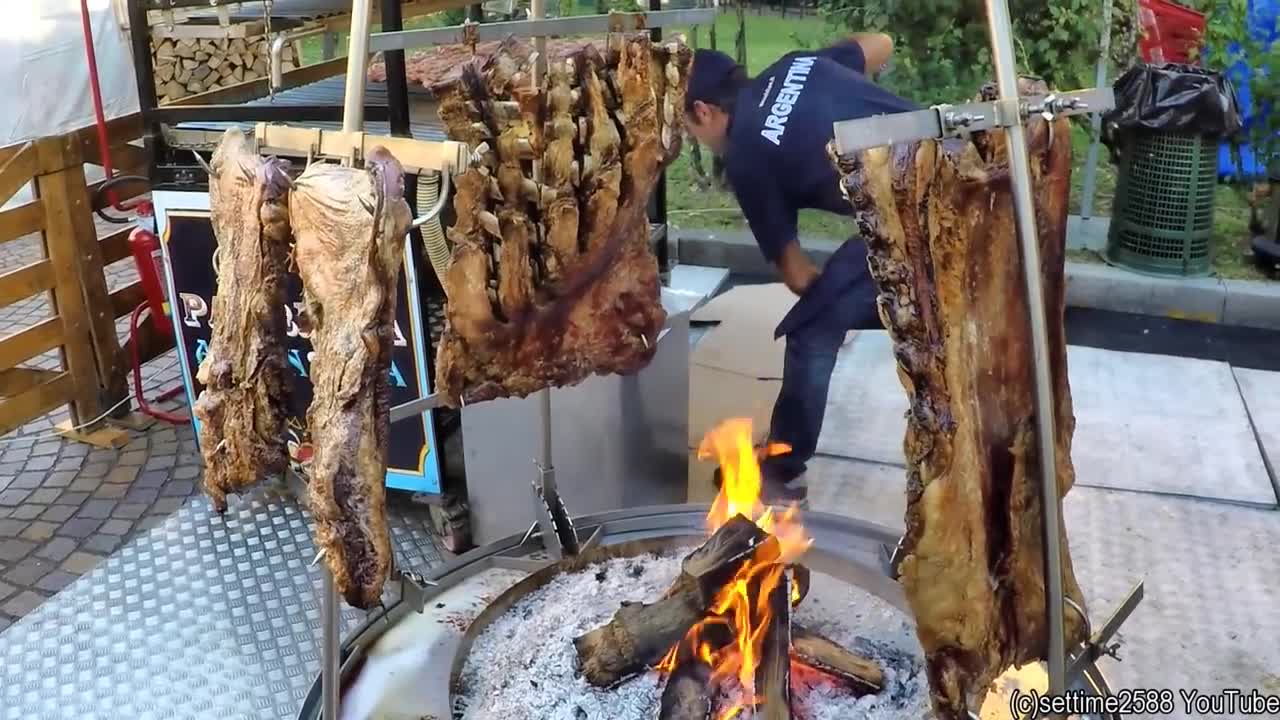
[
  {"x": 842, "y": 299},
  {"x": 797, "y": 415}
]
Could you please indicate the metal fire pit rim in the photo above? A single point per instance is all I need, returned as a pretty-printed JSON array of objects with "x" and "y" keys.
[{"x": 664, "y": 523}]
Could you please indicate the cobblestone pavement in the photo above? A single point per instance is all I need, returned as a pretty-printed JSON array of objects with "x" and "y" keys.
[{"x": 64, "y": 506}]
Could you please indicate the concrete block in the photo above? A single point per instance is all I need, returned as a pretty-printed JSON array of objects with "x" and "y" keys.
[
  {"x": 1252, "y": 303},
  {"x": 1090, "y": 234},
  {"x": 1103, "y": 287}
]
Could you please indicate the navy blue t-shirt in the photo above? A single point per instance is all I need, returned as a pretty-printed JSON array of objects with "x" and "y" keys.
[{"x": 776, "y": 157}]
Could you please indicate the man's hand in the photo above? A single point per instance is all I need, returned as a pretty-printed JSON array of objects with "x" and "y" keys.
[{"x": 797, "y": 268}]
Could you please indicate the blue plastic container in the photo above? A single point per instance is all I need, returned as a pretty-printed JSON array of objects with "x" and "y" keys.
[{"x": 1262, "y": 24}]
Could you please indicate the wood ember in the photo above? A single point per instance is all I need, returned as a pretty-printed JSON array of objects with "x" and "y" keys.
[
  {"x": 773, "y": 675},
  {"x": 640, "y": 634},
  {"x": 551, "y": 282},
  {"x": 938, "y": 220},
  {"x": 241, "y": 409},
  {"x": 857, "y": 674},
  {"x": 350, "y": 225},
  {"x": 687, "y": 694}
]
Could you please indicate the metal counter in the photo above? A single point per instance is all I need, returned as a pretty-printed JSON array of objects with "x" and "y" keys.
[{"x": 617, "y": 441}]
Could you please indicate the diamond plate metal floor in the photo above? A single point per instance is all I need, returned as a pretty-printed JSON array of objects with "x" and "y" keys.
[{"x": 203, "y": 617}]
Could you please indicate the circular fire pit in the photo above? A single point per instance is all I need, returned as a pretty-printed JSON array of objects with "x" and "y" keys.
[{"x": 449, "y": 661}]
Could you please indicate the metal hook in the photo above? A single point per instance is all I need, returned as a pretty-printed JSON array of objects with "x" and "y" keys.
[
  {"x": 200, "y": 159},
  {"x": 317, "y": 559}
]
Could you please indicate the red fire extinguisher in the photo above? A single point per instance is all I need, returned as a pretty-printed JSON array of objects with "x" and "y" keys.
[{"x": 145, "y": 246}]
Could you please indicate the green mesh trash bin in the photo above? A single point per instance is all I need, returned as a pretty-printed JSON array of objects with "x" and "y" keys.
[{"x": 1162, "y": 216}]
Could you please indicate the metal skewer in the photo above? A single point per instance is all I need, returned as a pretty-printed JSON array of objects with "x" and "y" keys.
[{"x": 1024, "y": 208}]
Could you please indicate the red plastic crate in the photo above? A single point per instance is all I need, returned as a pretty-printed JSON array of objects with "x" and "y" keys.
[{"x": 1169, "y": 32}]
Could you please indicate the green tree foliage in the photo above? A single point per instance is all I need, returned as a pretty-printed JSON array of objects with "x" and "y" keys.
[{"x": 943, "y": 48}]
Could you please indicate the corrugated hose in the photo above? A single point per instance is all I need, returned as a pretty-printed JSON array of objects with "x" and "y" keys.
[{"x": 433, "y": 238}]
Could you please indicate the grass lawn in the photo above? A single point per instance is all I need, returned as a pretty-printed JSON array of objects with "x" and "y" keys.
[{"x": 771, "y": 36}]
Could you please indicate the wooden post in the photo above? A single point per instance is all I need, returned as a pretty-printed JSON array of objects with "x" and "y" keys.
[{"x": 79, "y": 297}]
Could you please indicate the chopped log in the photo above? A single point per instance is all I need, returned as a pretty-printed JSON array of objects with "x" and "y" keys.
[
  {"x": 174, "y": 90},
  {"x": 201, "y": 72},
  {"x": 164, "y": 51},
  {"x": 687, "y": 695},
  {"x": 639, "y": 635},
  {"x": 773, "y": 674},
  {"x": 202, "y": 56},
  {"x": 237, "y": 74},
  {"x": 189, "y": 64},
  {"x": 183, "y": 76},
  {"x": 164, "y": 73},
  {"x": 943, "y": 249},
  {"x": 715, "y": 562},
  {"x": 195, "y": 86},
  {"x": 236, "y": 46},
  {"x": 857, "y": 674}
]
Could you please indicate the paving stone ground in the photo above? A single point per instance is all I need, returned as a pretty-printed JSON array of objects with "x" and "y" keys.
[{"x": 64, "y": 506}]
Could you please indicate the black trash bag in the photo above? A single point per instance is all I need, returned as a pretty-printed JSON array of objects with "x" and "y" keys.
[{"x": 1173, "y": 98}]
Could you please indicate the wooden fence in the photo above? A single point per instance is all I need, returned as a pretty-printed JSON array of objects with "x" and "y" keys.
[{"x": 82, "y": 328}]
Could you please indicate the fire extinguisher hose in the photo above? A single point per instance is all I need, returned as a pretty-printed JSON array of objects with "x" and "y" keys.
[{"x": 138, "y": 393}]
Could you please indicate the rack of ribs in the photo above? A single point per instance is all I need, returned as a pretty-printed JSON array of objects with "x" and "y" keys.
[
  {"x": 242, "y": 407},
  {"x": 553, "y": 281},
  {"x": 350, "y": 225},
  {"x": 943, "y": 249}
]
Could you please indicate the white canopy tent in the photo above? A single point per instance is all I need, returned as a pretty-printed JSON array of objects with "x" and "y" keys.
[{"x": 44, "y": 74}]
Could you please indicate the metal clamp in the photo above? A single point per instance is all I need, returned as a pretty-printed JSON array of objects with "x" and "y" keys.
[{"x": 954, "y": 121}]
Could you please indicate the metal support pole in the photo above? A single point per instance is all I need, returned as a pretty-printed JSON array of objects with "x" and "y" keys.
[
  {"x": 357, "y": 66},
  {"x": 329, "y": 651},
  {"x": 1007, "y": 80},
  {"x": 1089, "y": 189},
  {"x": 140, "y": 40},
  {"x": 352, "y": 121}
]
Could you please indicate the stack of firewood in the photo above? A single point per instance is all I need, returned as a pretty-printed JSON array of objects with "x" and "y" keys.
[{"x": 187, "y": 66}]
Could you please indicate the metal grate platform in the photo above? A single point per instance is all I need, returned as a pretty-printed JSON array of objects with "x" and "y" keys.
[{"x": 203, "y": 617}]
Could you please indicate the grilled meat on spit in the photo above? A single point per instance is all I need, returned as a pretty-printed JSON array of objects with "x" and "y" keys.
[
  {"x": 350, "y": 226},
  {"x": 242, "y": 407},
  {"x": 550, "y": 283},
  {"x": 943, "y": 249}
]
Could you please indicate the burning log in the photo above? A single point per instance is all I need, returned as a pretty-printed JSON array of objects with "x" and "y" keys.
[
  {"x": 857, "y": 674},
  {"x": 773, "y": 674},
  {"x": 940, "y": 229},
  {"x": 686, "y": 695},
  {"x": 639, "y": 634}
]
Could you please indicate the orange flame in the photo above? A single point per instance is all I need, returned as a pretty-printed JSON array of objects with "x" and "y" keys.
[{"x": 743, "y": 603}]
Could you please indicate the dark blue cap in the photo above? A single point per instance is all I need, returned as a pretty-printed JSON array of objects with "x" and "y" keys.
[{"x": 711, "y": 70}]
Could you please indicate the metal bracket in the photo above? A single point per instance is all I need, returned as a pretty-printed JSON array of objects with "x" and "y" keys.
[
  {"x": 944, "y": 121},
  {"x": 1097, "y": 645},
  {"x": 558, "y": 533}
]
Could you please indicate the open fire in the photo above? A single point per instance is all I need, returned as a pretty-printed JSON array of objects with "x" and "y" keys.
[{"x": 724, "y": 627}]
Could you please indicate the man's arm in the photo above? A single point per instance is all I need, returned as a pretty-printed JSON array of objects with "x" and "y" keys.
[
  {"x": 876, "y": 49},
  {"x": 866, "y": 53},
  {"x": 797, "y": 268}
]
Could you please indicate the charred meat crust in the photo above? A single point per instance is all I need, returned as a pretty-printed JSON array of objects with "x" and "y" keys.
[
  {"x": 938, "y": 221},
  {"x": 551, "y": 282},
  {"x": 350, "y": 226},
  {"x": 242, "y": 407}
]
